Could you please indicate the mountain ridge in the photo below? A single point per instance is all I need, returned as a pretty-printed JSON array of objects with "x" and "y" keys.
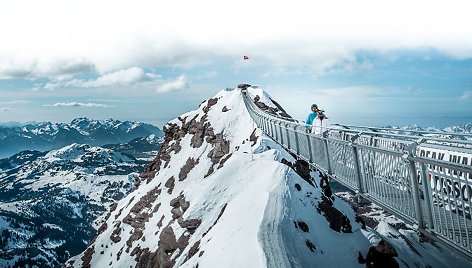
[
  {"x": 221, "y": 194},
  {"x": 45, "y": 136}
]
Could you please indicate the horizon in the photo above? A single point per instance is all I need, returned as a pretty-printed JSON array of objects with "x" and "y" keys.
[{"x": 363, "y": 62}]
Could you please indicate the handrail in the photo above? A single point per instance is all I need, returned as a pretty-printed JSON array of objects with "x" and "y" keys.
[
  {"x": 407, "y": 130},
  {"x": 336, "y": 126}
]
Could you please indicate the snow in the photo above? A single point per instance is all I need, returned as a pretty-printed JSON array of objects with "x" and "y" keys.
[
  {"x": 50, "y": 244},
  {"x": 52, "y": 226},
  {"x": 261, "y": 205}
]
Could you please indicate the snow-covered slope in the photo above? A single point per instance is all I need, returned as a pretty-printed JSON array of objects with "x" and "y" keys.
[
  {"x": 52, "y": 203},
  {"x": 220, "y": 194},
  {"x": 47, "y": 136}
]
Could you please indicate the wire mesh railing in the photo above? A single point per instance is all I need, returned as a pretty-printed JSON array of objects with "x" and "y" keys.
[{"x": 424, "y": 179}]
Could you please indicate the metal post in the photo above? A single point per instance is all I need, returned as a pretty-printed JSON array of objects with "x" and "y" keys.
[
  {"x": 428, "y": 198},
  {"x": 357, "y": 166},
  {"x": 415, "y": 193},
  {"x": 309, "y": 147},
  {"x": 281, "y": 135},
  {"x": 325, "y": 142},
  {"x": 414, "y": 184},
  {"x": 297, "y": 145},
  {"x": 288, "y": 136}
]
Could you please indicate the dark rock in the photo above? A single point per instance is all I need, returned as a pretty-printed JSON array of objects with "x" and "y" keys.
[
  {"x": 298, "y": 187},
  {"x": 303, "y": 169},
  {"x": 115, "y": 236},
  {"x": 167, "y": 240},
  {"x": 159, "y": 224},
  {"x": 118, "y": 255},
  {"x": 381, "y": 255},
  {"x": 337, "y": 221},
  {"x": 361, "y": 221},
  {"x": 190, "y": 223},
  {"x": 210, "y": 103},
  {"x": 223, "y": 160},
  {"x": 189, "y": 165},
  {"x": 184, "y": 204},
  {"x": 175, "y": 202},
  {"x": 87, "y": 257},
  {"x": 286, "y": 162},
  {"x": 193, "y": 250},
  {"x": 253, "y": 138},
  {"x": 303, "y": 226},
  {"x": 176, "y": 213},
  {"x": 225, "y": 109},
  {"x": 271, "y": 110},
  {"x": 170, "y": 183},
  {"x": 137, "y": 217},
  {"x": 310, "y": 245}
]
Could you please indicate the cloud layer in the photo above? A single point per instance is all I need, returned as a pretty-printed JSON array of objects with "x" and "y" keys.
[
  {"x": 125, "y": 77},
  {"x": 60, "y": 40},
  {"x": 79, "y": 104}
]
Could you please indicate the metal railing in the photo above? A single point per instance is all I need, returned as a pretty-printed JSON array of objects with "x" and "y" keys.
[{"x": 407, "y": 175}]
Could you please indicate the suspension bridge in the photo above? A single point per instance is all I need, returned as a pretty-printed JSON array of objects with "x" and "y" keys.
[{"x": 422, "y": 177}]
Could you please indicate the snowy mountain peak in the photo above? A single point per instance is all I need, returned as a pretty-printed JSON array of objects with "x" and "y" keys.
[
  {"x": 52, "y": 203},
  {"x": 220, "y": 194}
]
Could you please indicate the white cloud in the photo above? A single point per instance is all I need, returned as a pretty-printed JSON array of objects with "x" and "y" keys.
[
  {"x": 4, "y": 109},
  {"x": 60, "y": 39},
  {"x": 174, "y": 85},
  {"x": 15, "y": 102},
  {"x": 467, "y": 95},
  {"x": 78, "y": 104},
  {"x": 125, "y": 77}
]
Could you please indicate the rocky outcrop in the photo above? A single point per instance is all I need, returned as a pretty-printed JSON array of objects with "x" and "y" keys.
[
  {"x": 210, "y": 103},
  {"x": 170, "y": 183},
  {"x": 88, "y": 257},
  {"x": 171, "y": 143},
  {"x": 189, "y": 165},
  {"x": 201, "y": 131},
  {"x": 140, "y": 214},
  {"x": 253, "y": 138},
  {"x": 168, "y": 243},
  {"x": 271, "y": 110},
  {"x": 337, "y": 220}
]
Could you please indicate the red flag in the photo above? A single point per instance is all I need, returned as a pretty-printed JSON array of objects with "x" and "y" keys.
[{"x": 245, "y": 57}]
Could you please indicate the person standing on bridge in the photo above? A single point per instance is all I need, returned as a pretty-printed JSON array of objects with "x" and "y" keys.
[{"x": 311, "y": 118}]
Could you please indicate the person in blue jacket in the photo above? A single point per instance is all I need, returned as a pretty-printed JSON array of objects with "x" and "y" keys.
[{"x": 311, "y": 118}]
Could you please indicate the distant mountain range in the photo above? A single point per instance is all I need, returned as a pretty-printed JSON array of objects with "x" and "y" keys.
[
  {"x": 46, "y": 136},
  {"x": 52, "y": 203},
  {"x": 466, "y": 128}
]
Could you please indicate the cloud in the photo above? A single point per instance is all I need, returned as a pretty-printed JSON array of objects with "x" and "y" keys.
[
  {"x": 79, "y": 104},
  {"x": 327, "y": 35},
  {"x": 15, "y": 102},
  {"x": 174, "y": 85},
  {"x": 125, "y": 77},
  {"x": 467, "y": 95},
  {"x": 4, "y": 109}
]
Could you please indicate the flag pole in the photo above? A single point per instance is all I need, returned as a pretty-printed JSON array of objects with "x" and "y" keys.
[
  {"x": 245, "y": 58},
  {"x": 244, "y": 69}
]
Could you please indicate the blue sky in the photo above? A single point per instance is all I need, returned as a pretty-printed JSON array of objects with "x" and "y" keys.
[{"x": 364, "y": 63}]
